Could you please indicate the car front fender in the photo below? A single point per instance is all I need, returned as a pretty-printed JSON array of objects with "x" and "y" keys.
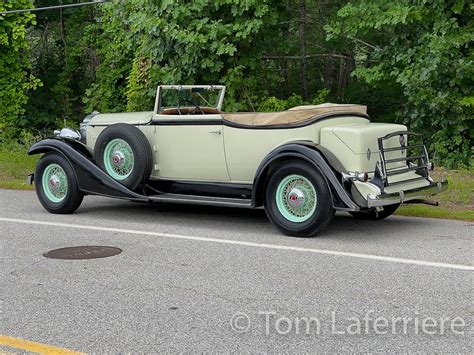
[
  {"x": 91, "y": 179},
  {"x": 308, "y": 152}
]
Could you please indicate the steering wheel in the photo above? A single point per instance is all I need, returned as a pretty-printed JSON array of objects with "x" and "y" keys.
[{"x": 196, "y": 106}]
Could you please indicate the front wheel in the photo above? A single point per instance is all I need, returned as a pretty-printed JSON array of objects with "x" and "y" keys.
[
  {"x": 297, "y": 200},
  {"x": 56, "y": 185}
]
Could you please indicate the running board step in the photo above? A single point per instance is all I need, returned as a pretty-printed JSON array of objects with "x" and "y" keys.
[{"x": 202, "y": 200}]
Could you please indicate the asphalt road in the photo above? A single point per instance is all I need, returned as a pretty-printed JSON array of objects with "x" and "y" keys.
[{"x": 224, "y": 280}]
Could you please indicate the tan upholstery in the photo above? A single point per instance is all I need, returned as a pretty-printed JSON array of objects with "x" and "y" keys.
[{"x": 295, "y": 115}]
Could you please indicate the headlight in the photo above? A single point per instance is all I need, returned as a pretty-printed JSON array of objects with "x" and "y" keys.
[{"x": 68, "y": 133}]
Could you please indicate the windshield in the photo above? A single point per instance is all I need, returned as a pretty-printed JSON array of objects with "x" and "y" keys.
[{"x": 181, "y": 96}]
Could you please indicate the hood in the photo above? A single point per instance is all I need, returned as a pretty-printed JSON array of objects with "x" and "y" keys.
[{"x": 135, "y": 118}]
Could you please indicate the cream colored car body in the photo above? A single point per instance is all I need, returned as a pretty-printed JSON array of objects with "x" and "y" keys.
[
  {"x": 225, "y": 153},
  {"x": 201, "y": 153}
]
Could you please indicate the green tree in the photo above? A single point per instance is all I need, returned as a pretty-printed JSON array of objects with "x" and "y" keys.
[
  {"x": 63, "y": 52},
  {"x": 15, "y": 76},
  {"x": 425, "y": 48},
  {"x": 113, "y": 39},
  {"x": 411, "y": 60},
  {"x": 192, "y": 42}
]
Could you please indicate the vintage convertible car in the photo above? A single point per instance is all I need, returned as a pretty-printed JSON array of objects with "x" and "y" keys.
[{"x": 301, "y": 165}]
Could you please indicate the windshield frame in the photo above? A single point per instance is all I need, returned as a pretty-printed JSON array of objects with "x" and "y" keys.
[{"x": 160, "y": 89}]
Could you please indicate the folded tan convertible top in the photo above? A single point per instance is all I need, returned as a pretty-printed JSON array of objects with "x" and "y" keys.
[{"x": 295, "y": 115}]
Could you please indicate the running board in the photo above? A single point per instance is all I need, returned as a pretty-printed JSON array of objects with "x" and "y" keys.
[{"x": 202, "y": 200}]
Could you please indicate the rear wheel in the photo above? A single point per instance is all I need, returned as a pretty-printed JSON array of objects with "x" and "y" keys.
[
  {"x": 124, "y": 153},
  {"x": 375, "y": 215},
  {"x": 56, "y": 185},
  {"x": 297, "y": 200}
]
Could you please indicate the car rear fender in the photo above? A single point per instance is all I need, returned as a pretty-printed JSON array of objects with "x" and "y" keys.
[
  {"x": 309, "y": 152},
  {"x": 91, "y": 179}
]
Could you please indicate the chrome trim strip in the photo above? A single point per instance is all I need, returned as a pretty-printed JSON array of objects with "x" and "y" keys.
[{"x": 407, "y": 195}]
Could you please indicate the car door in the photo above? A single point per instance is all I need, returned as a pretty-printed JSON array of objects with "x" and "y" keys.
[{"x": 190, "y": 147}]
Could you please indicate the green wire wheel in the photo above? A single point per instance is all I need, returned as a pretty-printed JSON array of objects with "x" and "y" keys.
[
  {"x": 118, "y": 159},
  {"x": 124, "y": 153},
  {"x": 296, "y": 198},
  {"x": 54, "y": 183}
]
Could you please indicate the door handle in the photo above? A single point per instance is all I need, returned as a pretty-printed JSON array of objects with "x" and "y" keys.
[{"x": 215, "y": 131}]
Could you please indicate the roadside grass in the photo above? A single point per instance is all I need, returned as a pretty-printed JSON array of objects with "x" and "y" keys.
[
  {"x": 440, "y": 211},
  {"x": 455, "y": 203}
]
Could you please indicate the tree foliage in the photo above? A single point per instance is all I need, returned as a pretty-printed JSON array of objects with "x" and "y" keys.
[
  {"x": 202, "y": 41},
  {"x": 425, "y": 48},
  {"x": 15, "y": 78},
  {"x": 409, "y": 60},
  {"x": 64, "y": 57}
]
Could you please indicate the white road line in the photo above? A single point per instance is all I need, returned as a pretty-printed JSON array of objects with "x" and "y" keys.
[{"x": 248, "y": 244}]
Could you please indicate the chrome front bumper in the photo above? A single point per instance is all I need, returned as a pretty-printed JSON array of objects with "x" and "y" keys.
[{"x": 402, "y": 196}]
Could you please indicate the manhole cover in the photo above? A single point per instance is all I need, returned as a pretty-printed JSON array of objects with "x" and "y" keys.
[{"x": 82, "y": 252}]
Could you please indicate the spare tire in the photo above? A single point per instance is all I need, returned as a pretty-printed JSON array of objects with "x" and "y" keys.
[{"x": 123, "y": 152}]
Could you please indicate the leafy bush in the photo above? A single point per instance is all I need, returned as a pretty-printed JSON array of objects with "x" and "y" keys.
[
  {"x": 15, "y": 78},
  {"x": 408, "y": 61},
  {"x": 428, "y": 54},
  {"x": 274, "y": 104}
]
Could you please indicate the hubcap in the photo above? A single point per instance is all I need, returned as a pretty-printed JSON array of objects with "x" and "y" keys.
[
  {"x": 118, "y": 159},
  {"x": 296, "y": 198},
  {"x": 54, "y": 183}
]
